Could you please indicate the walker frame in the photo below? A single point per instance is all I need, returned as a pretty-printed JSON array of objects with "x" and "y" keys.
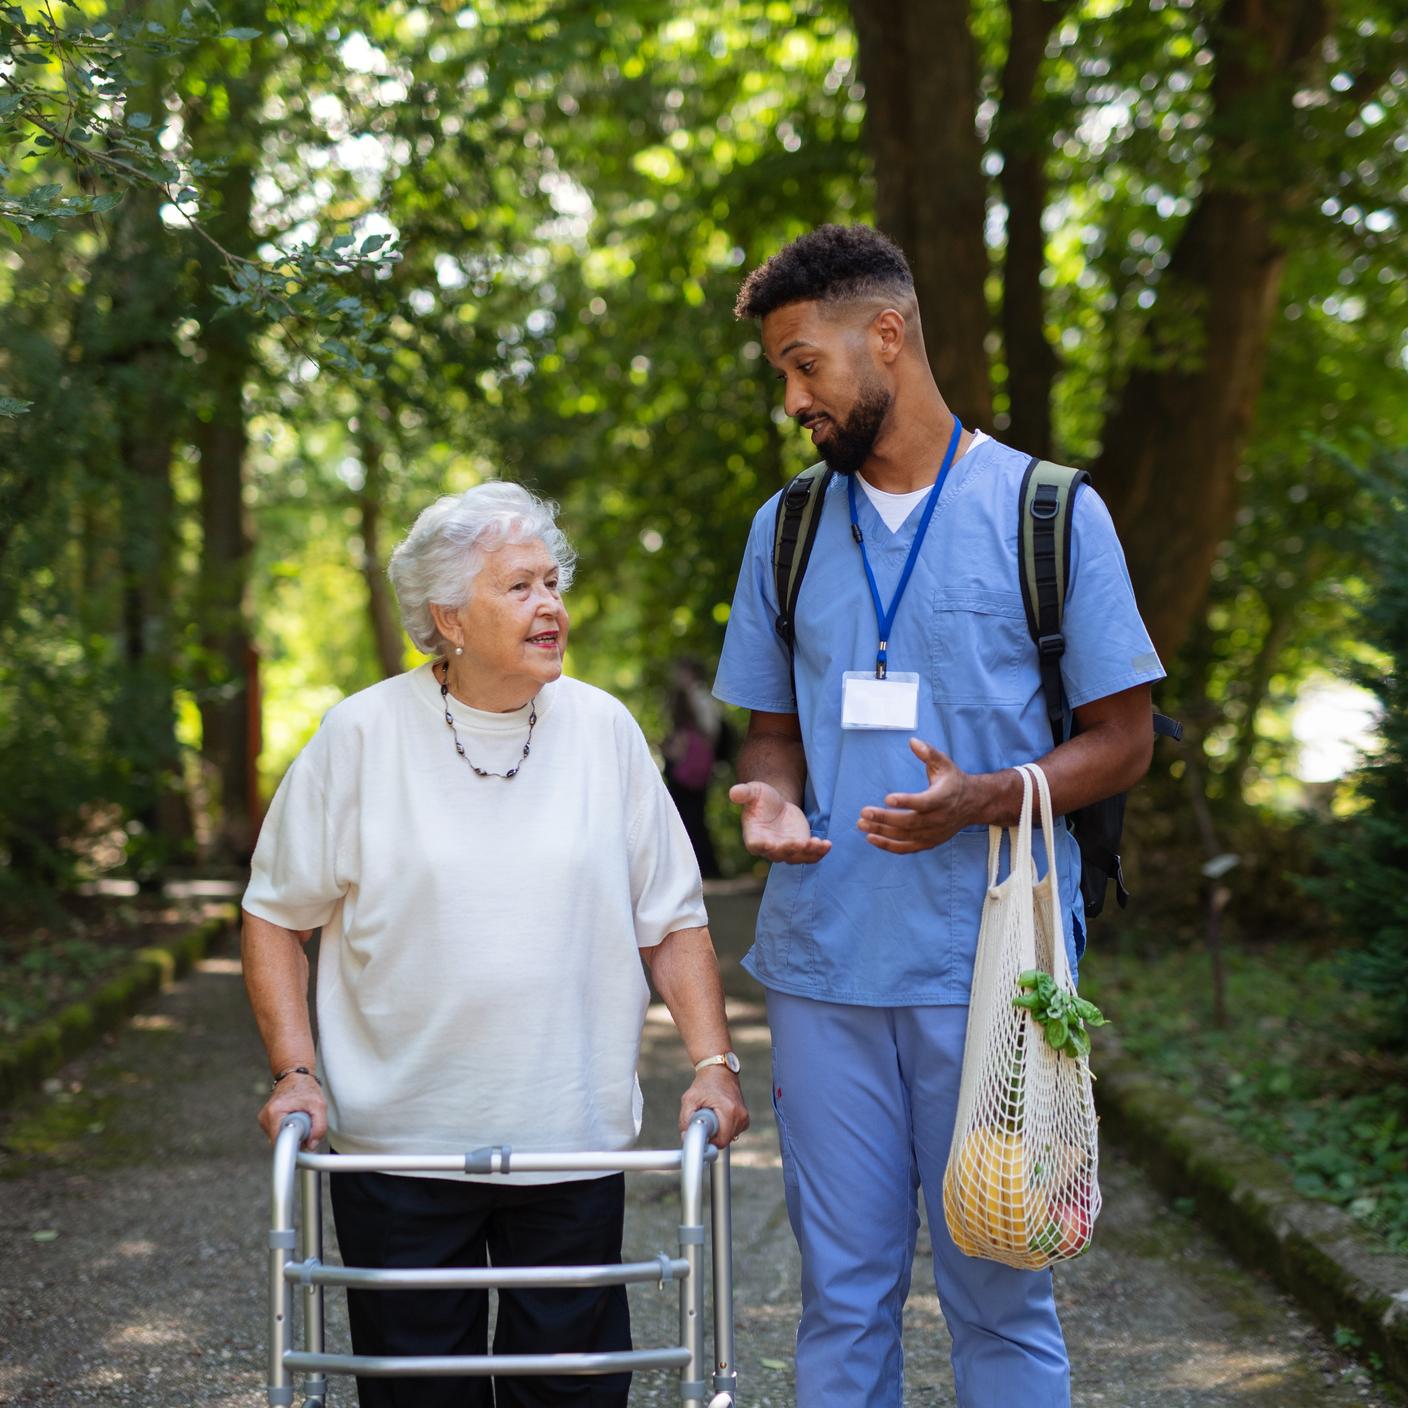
[{"x": 297, "y": 1179}]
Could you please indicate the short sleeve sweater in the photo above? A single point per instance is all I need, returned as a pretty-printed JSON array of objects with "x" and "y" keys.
[{"x": 479, "y": 980}]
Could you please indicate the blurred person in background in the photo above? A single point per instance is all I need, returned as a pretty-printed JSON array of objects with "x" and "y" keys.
[{"x": 691, "y": 749}]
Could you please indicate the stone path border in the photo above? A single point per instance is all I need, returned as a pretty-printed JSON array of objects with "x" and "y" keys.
[{"x": 57, "y": 1039}]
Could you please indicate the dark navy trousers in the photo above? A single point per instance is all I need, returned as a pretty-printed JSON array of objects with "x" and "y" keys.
[{"x": 389, "y": 1220}]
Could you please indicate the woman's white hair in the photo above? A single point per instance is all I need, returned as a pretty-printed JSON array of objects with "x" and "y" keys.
[{"x": 435, "y": 564}]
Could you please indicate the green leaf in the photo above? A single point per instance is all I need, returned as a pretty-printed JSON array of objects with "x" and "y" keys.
[
  {"x": 42, "y": 229},
  {"x": 11, "y": 407},
  {"x": 242, "y": 33},
  {"x": 343, "y": 242},
  {"x": 139, "y": 120},
  {"x": 372, "y": 243}
]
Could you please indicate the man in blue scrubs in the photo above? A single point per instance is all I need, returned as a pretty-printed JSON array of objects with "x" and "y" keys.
[{"x": 872, "y": 796}]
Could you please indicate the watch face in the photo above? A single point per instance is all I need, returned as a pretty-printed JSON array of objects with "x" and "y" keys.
[{"x": 731, "y": 1061}]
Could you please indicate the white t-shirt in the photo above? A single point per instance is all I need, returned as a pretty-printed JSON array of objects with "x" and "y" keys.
[
  {"x": 479, "y": 980},
  {"x": 895, "y": 508}
]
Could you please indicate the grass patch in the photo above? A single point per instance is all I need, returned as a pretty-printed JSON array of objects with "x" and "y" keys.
[
  {"x": 1292, "y": 1071},
  {"x": 39, "y": 976},
  {"x": 75, "y": 956}
]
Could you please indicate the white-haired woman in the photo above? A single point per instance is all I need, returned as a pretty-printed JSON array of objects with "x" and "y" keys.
[{"x": 489, "y": 852}]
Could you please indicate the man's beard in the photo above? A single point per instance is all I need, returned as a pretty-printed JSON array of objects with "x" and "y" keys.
[{"x": 849, "y": 445}]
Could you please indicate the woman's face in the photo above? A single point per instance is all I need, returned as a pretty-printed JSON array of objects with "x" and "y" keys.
[{"x": 514, "y": 629}]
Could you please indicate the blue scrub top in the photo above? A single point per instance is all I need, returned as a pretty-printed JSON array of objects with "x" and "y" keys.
[{"x": 861, "y": 925}]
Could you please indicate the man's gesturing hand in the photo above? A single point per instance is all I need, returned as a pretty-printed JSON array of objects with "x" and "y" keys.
[
  {"x": 773, "y": 828},
  {"x": 919, "y": 821}
]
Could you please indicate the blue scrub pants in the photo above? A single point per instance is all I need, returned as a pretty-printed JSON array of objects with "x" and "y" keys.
[{"x": 866, "y": 1099}]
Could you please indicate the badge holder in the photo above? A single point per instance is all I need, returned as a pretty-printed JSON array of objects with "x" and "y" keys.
[{"x": 868, "y": 702}]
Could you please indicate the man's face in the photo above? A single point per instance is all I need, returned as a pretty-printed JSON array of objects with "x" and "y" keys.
[{"x": 833, "y": 389}]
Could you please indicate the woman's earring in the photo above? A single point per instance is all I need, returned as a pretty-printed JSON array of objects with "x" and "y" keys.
[{"x": 459, "y": 650}]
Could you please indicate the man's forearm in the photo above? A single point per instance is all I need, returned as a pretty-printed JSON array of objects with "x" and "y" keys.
[
  {"x": 779, "y": 761},
  {"x": 1082, "y": 770}
]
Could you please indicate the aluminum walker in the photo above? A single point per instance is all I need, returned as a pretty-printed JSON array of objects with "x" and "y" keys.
[{"x": 309, "y": 1274}]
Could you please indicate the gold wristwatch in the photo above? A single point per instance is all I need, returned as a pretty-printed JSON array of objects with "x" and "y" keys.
[{"x": 727, "y": 1058}]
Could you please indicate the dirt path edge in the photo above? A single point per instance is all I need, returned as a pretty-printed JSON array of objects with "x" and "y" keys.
[{"x": 1345, "y": 1279}]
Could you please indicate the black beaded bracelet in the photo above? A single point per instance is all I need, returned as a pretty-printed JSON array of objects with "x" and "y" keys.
[{"x": 294, "y": 1071}]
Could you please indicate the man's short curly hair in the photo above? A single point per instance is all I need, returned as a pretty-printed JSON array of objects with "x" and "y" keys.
[{"x": 831, "y": 264}]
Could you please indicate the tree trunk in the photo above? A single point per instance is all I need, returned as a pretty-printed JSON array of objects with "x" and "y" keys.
[
  {"x": 220, "y": 437},
  {"x": 921, "y": 82},
  {"x": 1023, "y": 135},
  {"x": 386, "y": 624},
  {"x": 1172, "y": 446},
  {"x": 141, "y": 372}
]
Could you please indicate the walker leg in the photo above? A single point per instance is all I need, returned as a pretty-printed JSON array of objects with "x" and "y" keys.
[
  {"x": 725, "y": 1369},
  {"x": 281, "y": 1243},
  {"x": 315, "y": 1385},
  {"x": 692, "y": 1386}
]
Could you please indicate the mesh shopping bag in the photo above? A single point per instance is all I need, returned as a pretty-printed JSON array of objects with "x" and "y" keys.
[{"x": 1021, "y": 1184}]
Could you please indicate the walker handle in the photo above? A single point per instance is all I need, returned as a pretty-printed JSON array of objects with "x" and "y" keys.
[
  {"x": 300, "y": 1120},
  {"x": 708, "y": 1118}
]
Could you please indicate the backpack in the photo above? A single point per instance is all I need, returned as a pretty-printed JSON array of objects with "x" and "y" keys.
[{"x": 1043, "y": 551}]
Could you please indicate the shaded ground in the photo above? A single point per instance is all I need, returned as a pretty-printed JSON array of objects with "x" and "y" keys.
[{"x": 133, "y": 1196}]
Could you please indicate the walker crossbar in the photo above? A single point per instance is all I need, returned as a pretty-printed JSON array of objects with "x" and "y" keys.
[
  {"x": 490, "y": 1278},
  {"x": 482, "y": 1365},
  {"x": 627, "y": 1161},
  {"x": 296, "y": 1175}
]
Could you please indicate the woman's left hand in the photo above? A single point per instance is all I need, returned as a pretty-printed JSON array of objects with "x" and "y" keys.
[{"x": 716, "y": 1088}]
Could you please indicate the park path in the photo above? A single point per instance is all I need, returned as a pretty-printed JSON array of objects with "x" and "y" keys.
[{"x": 134, "y": 1191}]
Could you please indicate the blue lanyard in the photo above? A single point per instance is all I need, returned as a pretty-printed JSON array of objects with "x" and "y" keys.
[{"x": 886, "y": 619}]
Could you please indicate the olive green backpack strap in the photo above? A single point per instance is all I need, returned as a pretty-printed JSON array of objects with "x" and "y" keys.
[
  {"x": 1044, "y": 556},
  {"x": 798, "y": 517}
]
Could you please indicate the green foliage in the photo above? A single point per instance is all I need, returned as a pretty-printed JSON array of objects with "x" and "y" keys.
[
  {"x": 86, "y": 119},
  {"x": 1290, "y": 1072},
  {"x": 1367, "y": 863},
  {"x": 36, "y": 980},
  {"x": 506, "y": 238}
]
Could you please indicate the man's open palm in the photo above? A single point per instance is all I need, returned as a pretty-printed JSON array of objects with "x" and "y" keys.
[{"x": 774, "y": 828}]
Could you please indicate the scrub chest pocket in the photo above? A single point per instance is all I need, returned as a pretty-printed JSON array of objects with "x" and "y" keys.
[{"x": 976, "y": 643}]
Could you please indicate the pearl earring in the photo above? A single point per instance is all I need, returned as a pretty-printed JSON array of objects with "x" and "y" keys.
[{"x": 459, "y": 650}]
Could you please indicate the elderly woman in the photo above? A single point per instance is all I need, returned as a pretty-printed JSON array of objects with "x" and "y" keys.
[{"x": 489, "y": 852}]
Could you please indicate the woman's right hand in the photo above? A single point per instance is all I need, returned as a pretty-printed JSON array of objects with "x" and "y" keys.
[
  {"x": 776, "y": 829},
  {"x": 292, "y": 1094}
]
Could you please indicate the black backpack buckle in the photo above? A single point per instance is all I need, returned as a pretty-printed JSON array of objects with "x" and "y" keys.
[
  {"x": 1051, "y": 647},
  {"x": 1045, "y": 502}
]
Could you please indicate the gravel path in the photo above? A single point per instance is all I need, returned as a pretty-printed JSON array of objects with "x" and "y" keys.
[{"x": 133, "y": 1193}]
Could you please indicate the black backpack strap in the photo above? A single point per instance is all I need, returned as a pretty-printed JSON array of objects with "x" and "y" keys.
[
  {"x": 1165, "y": 727},
  {"x": 798, "y": 517},
  {"x": 1043, "y": 557}
]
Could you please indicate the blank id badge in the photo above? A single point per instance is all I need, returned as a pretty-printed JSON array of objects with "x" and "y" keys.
[{"x": 892, "y": 703}]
